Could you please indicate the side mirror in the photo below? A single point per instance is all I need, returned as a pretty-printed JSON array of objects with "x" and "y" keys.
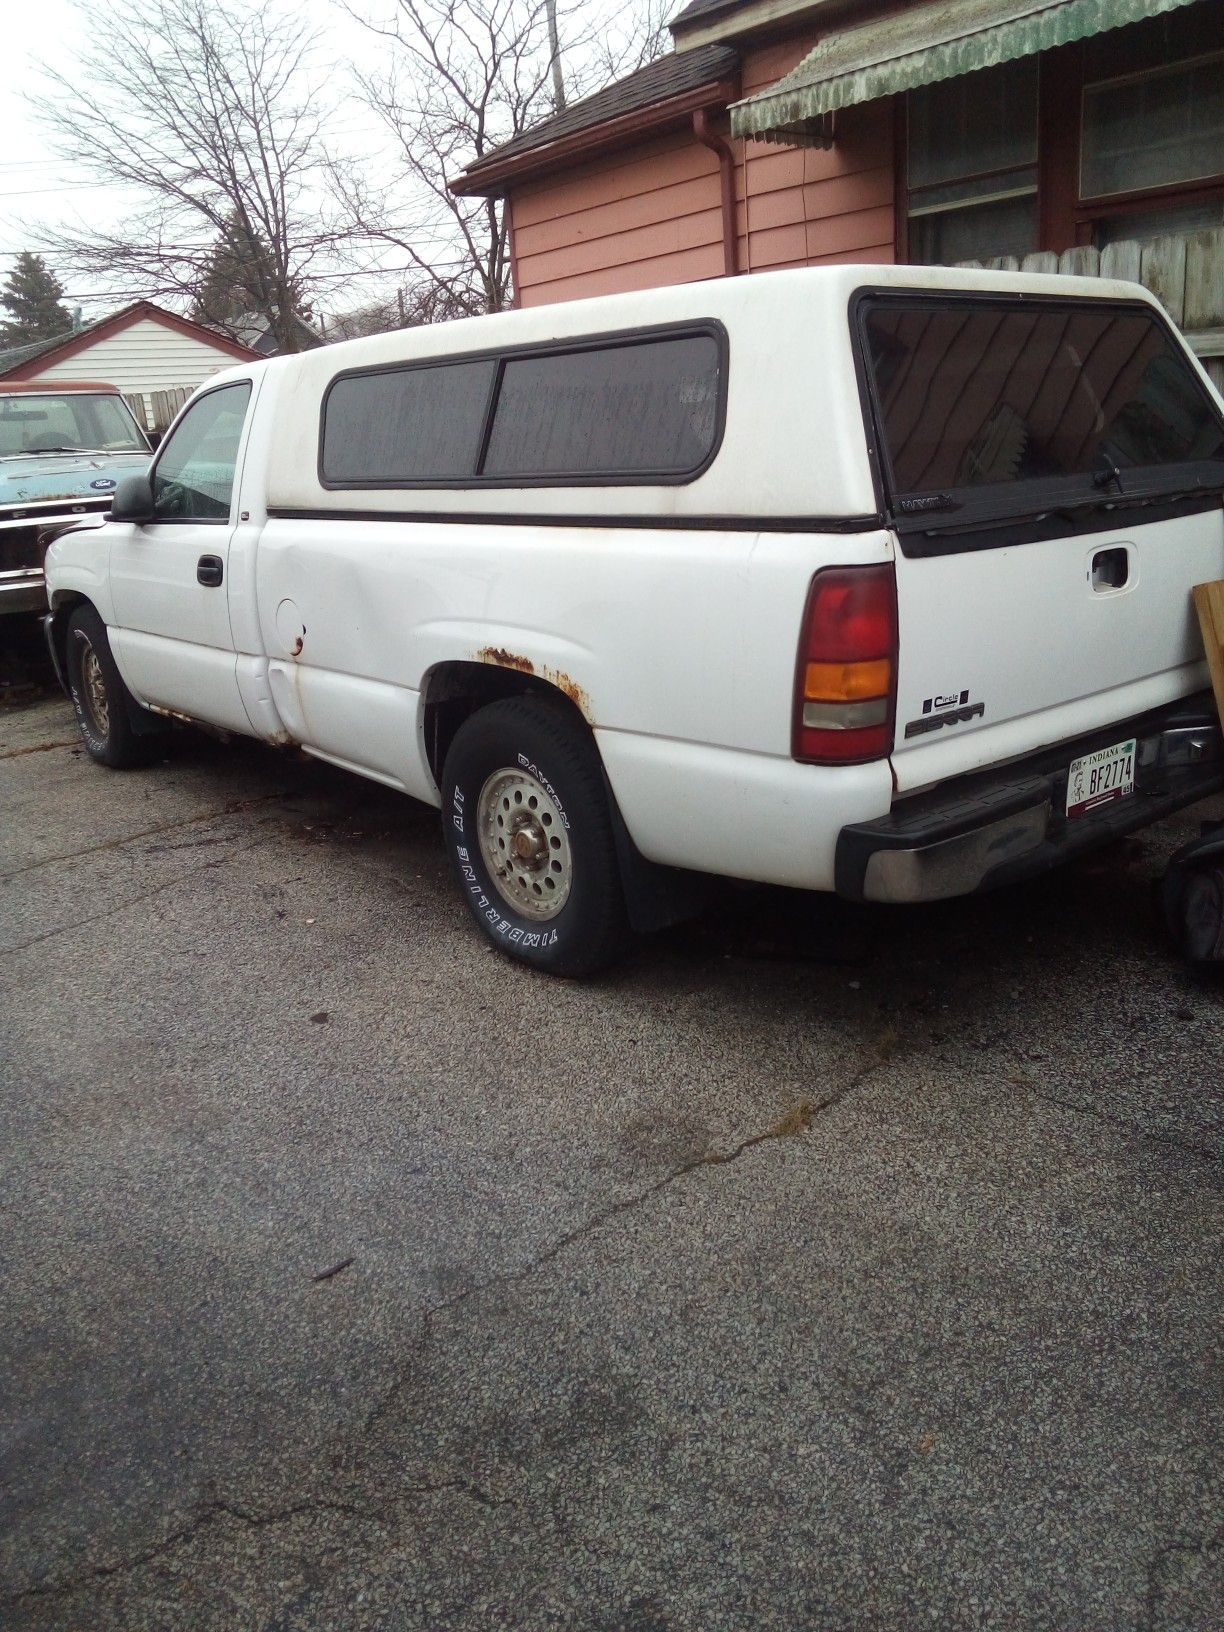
[{"x": 133, "y": 500}]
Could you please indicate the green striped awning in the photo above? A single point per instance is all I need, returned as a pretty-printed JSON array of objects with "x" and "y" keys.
[{"x": 922, "y": 45}]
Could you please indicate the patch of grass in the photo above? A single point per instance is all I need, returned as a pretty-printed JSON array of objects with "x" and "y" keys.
[{"x": 794, "y": 1121}]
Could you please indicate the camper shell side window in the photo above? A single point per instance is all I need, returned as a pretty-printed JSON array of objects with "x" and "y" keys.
[{"x": 644, "y": 408}]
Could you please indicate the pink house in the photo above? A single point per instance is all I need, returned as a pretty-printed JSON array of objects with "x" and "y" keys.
[{"x": 1087, "y": 134}]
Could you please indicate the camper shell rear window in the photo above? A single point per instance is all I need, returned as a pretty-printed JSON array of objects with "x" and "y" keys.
[
  {"x": 639, "y": 408},
  {"x": 995, "y": 408}
]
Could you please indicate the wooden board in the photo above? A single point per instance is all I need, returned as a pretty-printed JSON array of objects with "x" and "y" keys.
[{"x": 1209, "y": 603}]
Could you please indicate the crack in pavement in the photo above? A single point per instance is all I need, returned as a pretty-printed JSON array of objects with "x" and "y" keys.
[
  {"x": 1160, "y": 1558},
  {"x": 1121, "y": 1123},
  {"x": 135, "y": 900},
  {"x": 791, "y": 1123},
  {"x": 41, "y": 748},
  {"x": 213, "y": 1512},
  {"x": 235, "y": 807}
]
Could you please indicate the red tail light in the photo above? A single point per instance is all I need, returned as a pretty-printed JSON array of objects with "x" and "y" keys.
[{"x": 845, "y": 682}]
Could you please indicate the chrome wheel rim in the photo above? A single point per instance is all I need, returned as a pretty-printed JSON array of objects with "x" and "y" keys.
[
  {"x": 525, "y": 842},
  {"x": 93, "y": 688}
]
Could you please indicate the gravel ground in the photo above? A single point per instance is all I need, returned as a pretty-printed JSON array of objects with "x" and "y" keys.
[{"x": 821, "y": 1268}]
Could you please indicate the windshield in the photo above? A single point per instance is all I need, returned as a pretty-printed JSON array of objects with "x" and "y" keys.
[
  {"x": 992, "y": 401},
  {"x": 86, "y": 421}
]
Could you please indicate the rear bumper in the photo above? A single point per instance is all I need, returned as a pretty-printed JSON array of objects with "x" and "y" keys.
[{"x": 996, "y": 827}]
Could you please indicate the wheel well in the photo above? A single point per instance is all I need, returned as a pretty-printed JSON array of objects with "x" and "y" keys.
[
  {"x": 654, "y": 895},
  {"x": 455, "y": 691}
]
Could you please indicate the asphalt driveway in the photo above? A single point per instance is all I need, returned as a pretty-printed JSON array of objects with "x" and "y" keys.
[{"x": 822, "y": 1268}]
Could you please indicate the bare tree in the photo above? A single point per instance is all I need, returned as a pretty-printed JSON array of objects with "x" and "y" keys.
[
  {"x": 463, "y": 77},
  {"x": 409, "y": 307},
  {"x": 211, "y": 123},
  {"x": 466, "y": 76},
  {"x": 627, "y": 38}
]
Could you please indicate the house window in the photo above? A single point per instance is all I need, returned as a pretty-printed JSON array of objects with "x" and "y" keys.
[
  {"x": 972, "y": 166},
  {"x": 1163, "y": 220},
  {"x": 1154, "y": 129}
]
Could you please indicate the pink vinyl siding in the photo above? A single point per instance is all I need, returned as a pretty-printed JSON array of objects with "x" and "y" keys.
[
  {"x": 650, "y": 214},
  {"x": 802, "y": 205}
]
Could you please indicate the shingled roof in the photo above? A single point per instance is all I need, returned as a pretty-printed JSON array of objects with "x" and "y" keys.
[
  {"x": 700, "y": 8},
  {"x": 668, "y": 80}
]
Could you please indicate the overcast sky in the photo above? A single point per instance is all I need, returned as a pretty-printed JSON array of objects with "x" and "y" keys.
[
  {"x": 39, "y": 190},
  {"x": 34, "y": 185}
]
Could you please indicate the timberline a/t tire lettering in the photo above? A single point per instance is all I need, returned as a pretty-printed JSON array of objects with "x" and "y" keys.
[
  {"x": 540, "y": 739},
  {"x": 514, "y": 935}
]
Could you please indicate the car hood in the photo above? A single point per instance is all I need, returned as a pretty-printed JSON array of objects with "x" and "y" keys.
[{"x": 42, "y": 478}]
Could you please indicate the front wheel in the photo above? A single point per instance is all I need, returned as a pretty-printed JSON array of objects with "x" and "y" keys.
[
  {"x": 99, "y": 696},
  {"x": 530, "y": 837}
]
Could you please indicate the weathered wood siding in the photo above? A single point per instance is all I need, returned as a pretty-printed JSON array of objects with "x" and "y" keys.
[
  {"x": 651, "y": 214},
  {"x": 155, "y": 409}
]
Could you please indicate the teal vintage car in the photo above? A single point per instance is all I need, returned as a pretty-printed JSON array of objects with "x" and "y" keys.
[{"x": 64, "y": 447}]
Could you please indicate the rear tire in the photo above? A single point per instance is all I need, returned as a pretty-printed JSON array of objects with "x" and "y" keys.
[
  {"x": 529, "y": 833},
  {"x": 1194, "y": 911},
  {"x": 99, "y": 696}
]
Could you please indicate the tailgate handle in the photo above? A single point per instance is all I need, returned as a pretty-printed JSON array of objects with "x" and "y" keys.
[
  {"x": 210, "y": 571},
  {"x": 1110, "y": 569}
]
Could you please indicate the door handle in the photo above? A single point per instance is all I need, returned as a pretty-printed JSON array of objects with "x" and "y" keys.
[{"x": 210, "y": 570}]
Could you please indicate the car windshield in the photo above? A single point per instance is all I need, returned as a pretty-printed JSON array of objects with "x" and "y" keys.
[{"x": 71, "y": 421}]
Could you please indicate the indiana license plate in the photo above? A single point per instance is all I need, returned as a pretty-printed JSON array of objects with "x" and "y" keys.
[{"x": 1098, "y": 779}]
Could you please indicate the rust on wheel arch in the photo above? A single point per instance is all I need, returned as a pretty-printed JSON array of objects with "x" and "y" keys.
[{"x": 502, "y": 659}]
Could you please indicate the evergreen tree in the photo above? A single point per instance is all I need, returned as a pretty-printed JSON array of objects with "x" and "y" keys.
[
  {"x": 32, "y": 296},
  {"x": 228, "y": 287},
  {"x": 239, "y": 281}
]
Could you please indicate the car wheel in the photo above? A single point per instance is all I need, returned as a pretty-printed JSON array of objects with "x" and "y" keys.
[
  {"x": 99, "y": 696},
  {"x": 527, "y": 825}
]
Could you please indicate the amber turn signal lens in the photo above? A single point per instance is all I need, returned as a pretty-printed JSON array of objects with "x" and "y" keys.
[{"x": 847, "y": 682}]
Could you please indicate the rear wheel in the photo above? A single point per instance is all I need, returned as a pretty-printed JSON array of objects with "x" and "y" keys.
[
  {"x": 1194, "y": 911},
  {"x": 99, "y": 696},
  {"x": 530, "y": 837}
]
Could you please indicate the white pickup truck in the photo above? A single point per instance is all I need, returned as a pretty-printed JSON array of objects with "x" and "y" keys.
[{"x": 864, "y": 579}]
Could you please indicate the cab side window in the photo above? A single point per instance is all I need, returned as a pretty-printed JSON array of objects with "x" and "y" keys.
[{"x": 193, "y": 479}]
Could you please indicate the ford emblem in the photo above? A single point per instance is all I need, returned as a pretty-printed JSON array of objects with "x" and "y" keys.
[{"x": 104, "y": 484}]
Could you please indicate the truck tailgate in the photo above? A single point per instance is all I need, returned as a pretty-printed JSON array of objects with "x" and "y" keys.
[
  {"x": 1053, "y": 467},
  {"x": 1005, "y": 650}
]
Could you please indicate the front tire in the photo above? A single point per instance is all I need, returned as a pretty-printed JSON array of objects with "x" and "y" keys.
[
  {"x": 529, "y": 832},
  {"x": 101, "y": 700}
]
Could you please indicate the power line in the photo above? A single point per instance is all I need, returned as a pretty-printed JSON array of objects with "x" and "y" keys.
[{"x": 29, "y": 192}]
